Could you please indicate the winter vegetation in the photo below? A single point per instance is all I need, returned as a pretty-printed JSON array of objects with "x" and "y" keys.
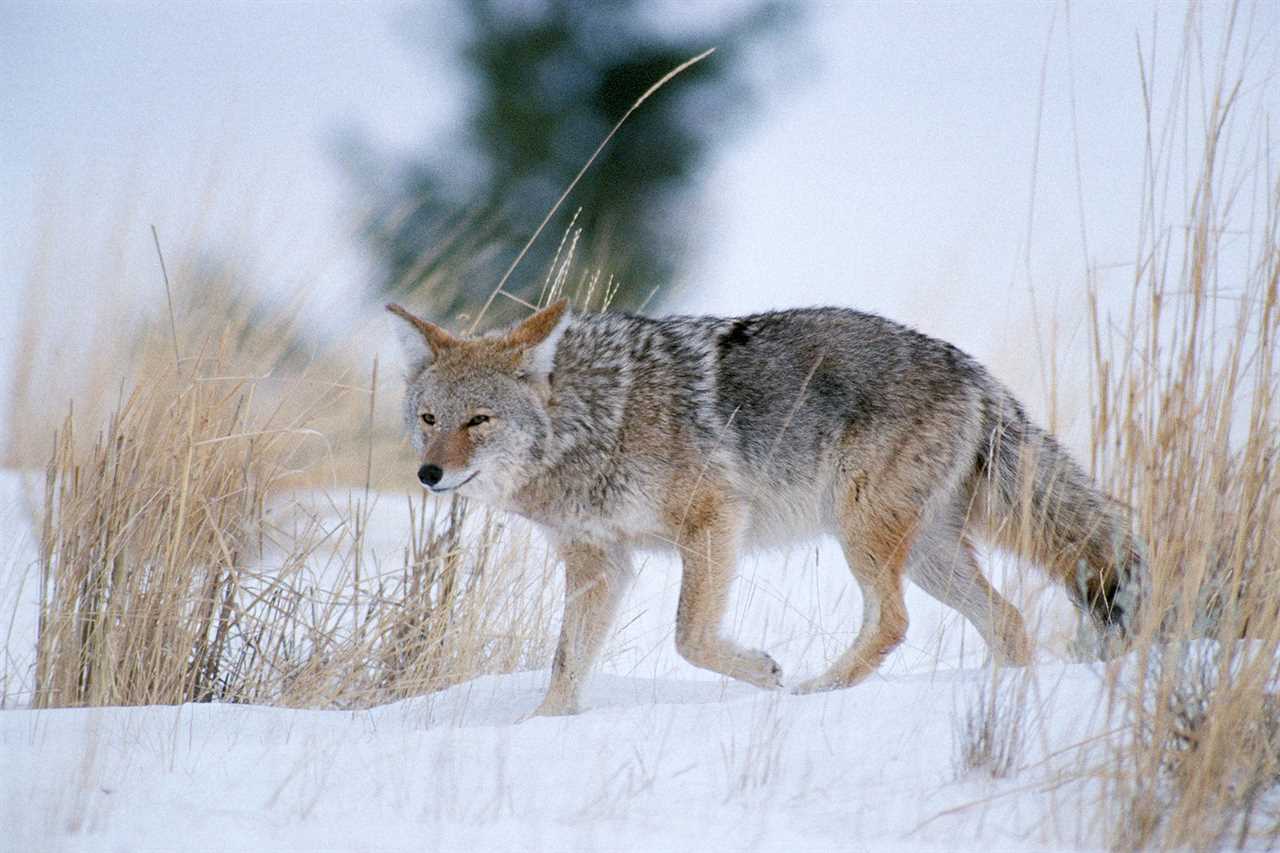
[{"x": 230, "y": 623}]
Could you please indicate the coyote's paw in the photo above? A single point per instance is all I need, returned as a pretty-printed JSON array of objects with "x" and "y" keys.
[
  {"x": 764, "y": 671},
  {"x": 821, "y": 684},
  {"x": 554, "y": 708}
]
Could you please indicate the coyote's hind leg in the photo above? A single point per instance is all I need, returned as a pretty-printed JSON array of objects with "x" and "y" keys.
[
  {"x": 876, "y": 540},
  {"x": 942, "y": 563}
]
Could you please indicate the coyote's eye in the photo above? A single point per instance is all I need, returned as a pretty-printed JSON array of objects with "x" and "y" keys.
[
  {"x": 428, "y": 419},
  {"x": 477, "y": 420}
]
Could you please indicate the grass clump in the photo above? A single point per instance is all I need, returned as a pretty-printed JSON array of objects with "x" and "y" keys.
[
  {"x": 1186, "y": 430},
  {"x": 991, "y": 729},
  {"x": 185, "y": 554}
]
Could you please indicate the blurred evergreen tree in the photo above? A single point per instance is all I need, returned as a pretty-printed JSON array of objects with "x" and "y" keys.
[{"x": 550, "y": 79}]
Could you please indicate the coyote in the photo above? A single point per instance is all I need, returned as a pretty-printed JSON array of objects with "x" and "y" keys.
[{"x": 710, "y": 435}]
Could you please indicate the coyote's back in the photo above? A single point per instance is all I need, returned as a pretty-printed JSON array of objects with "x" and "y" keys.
[{"x": 711, "y": 434}]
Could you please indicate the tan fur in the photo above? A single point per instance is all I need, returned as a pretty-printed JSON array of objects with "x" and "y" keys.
[
  {"x": 708, "y": 529},
  {"x": 483, "y": 354},
  {"x": 876, "y": 537},
  {"x": 452, "y": 449},
  {"x": 713, "y": 436},
  {"x": 534, "y": 329},
  {"x": 595, "y": 579},
  {"x": 438, "y": 338}
]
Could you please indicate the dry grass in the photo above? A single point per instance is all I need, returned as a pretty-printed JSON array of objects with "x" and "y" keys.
[
  {"x": 174, "y": 567},
  {"x": 179, "y": 561},
  {"x": 1185, "y": 429},
  {"x": 990, "y": 734}
]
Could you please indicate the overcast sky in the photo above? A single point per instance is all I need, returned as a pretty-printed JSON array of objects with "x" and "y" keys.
[{"x": 890, "y": 167}]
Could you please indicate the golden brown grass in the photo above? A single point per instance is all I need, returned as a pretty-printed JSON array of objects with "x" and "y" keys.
[
  {"x": 1185, "y": 429},
  {"x": 180, "y": 562}
]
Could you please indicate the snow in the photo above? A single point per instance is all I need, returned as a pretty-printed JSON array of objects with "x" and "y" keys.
[
  {"x": 664, "y": 756},
  {"x": 655, "y": 764}
]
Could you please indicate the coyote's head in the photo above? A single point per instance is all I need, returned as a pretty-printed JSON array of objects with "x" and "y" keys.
[{"x": 476, "y": 408}]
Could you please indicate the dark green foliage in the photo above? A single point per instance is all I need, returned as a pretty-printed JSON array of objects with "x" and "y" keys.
[{"x": 550, "y": 79}]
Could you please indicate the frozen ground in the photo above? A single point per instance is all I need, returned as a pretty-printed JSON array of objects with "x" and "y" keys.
[
  {"x": 665, "y": 757},
  {"x": 654, "y": 765}
]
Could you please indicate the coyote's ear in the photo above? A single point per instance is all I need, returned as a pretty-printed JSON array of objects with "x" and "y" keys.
[
  {"x": 422, "y": 341},
  {"x": 538, "y": 336}
]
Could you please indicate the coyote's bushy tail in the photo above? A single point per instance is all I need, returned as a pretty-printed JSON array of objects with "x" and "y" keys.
[{"x": 1034, "y": 500}]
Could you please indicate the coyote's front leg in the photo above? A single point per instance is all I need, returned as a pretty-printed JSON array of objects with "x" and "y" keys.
[{"x": 595, "y": 579}]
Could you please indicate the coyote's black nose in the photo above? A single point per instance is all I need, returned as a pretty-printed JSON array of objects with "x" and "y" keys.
[{"x": 430, "y": 474}]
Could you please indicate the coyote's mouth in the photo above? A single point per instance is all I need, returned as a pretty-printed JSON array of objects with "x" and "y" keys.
[{"x": 438, "y": 489}]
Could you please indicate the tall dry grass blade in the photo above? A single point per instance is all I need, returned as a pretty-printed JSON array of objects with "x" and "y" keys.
[{"x": 664, "y": 80}]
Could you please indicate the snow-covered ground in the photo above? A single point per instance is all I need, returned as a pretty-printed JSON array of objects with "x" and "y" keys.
[
  {"x": 653, "y": 765},
  {"x": 665, "y": 757}
]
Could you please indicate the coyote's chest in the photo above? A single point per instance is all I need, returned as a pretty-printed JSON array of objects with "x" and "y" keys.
[{"x": 575, "y": 511}]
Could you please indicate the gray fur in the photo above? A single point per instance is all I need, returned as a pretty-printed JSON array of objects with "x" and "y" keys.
[{"x": 794, "y": 419}]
